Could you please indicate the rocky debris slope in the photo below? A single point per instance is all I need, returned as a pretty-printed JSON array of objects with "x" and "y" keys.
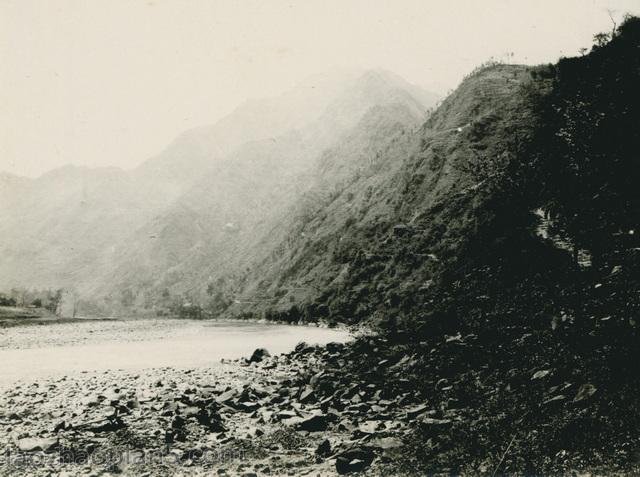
[
  {"x": 378, "y": 406},
  {"x": 291, "y": 414}
]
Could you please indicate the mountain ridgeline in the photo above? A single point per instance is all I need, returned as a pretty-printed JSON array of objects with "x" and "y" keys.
[
  {"x": 345, "y": 199},
  {"x": 170, "y": 234},
  {"x": 417, "y": 212},
  {"x": 492, "y": 242}
]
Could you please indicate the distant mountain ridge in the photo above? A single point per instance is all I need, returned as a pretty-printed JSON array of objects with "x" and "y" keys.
[{"x": 104, "y": 232}]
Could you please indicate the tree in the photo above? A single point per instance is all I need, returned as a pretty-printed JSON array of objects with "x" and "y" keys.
[{"x": 53, "y": 300}]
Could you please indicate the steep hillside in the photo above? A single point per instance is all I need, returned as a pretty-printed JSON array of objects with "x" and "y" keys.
[
  {"x": 398, "y": 213},
  {"x": 107, "y": 232},
  {"x": 191, "y": 154},
  {"x": 214, "y": 230},
  {"x": 515, "y": 355},
  {"x": 53, "y": 228}
]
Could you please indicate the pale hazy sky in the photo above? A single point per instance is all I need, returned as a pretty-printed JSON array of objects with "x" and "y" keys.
[{"x": 111, "y": 82}]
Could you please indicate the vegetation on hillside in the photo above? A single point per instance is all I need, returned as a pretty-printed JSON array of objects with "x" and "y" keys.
[
  {"x": 527, "y": 352},
  {"x": 528, "y": 356}
]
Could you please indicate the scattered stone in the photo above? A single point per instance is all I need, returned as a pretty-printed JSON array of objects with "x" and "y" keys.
[
  {"x": 258, "y": 355},
  {"x": 34, "y": 444},
  {"x": 355, "y": 459},
  {"x": 585, "y": 392},
  {"x": 541, "y": 374},
  {"x": 307, "y": 395},
  {"x": 385, "y": 443},
  {"x": 324, "y": 449},
  {"x": 415, "y": 411},
  {"x": 315, "y": 423}
]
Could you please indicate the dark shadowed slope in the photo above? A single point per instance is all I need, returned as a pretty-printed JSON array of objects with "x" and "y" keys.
[
  {"x": 398, "y": 211},
  {"x": 511, "y": 355}
]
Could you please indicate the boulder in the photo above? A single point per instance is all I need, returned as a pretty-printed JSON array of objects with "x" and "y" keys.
[
  {"x": 355, "y": 459},
  {"x": 227, "y": 396},
  {"x": 258, "y": 355},
  {"x": 585, "y": 392},
  {"x": 303, "y": 347},
  {"x": 308, "y": 395},
  {"x": 314, "y": 423},
  {"x": 29, "y": 444},
  {"x": 324, "y": 449},
  {"x": 415, "y": 411}
]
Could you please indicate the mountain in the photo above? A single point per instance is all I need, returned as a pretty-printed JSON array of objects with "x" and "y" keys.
[
  {"x": 211, "y": 231},
  {"x": 397, "y": 213},
  {"x": 194, "y": 151},
  {"x": 104, "y": 232},
  {"x": 458, "y": 238},
  {"x": 58, "y": 224},
  {"x": 517, "y": 355}
]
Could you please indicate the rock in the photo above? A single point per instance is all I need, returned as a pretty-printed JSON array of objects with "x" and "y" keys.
[
  {"x": 307, "y": 395},
  {"x": 617, "y": 269},
  {"x": 248, "y": 406},
  {"x": 177, "y": 422},
  {"x": 344, "y": 466},
  {"x": 108, "y": 425},
  {"x": 355, "y": 459},
  {"x": 434, "y": 425},
  {"x": 554, "y": 399},
  {"x": 314, "y": 423},
  {"x": 258, "y": 355},
  {"x": 59, "y": 426},
  {"x": 454, "y": 338},
  {"x": 227, "y": 396},
  {"x": 191, "y": 411},
  {"x": 324, "y": 448},
  {"x": 385, "y": 443},
  {"x": 415, "y": 411},
  {"x": 541, "y": 374},
  {"x": 401, "y": 230},
  {"x": 34, "y": 444},
  {"x": 360, "y": 408},
  {"x": 91, "y": 400},
  {"x": 585, "y": 392},
  {"x": 345, "y": 425},
  {"x": 441, "y": 383},
  {"x": 370, "y": 427},
  {"x": 334, "y": 347},
  {"x": 303, "y": 347},
  {"x": 286, "y": 415}
]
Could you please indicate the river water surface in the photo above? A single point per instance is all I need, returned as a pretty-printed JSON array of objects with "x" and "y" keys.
[{"x": 45, "y": 351}]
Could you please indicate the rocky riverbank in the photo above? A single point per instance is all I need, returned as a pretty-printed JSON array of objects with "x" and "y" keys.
[
  {"x": 454, "y": 404},
  {"x": 292, "y": 414}
]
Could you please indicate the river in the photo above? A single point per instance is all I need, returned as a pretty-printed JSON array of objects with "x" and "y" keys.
[{"x": 33, "y": 352}]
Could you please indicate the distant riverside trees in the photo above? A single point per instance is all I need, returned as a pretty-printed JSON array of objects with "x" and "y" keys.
[{"x": 23, "y": 297}]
